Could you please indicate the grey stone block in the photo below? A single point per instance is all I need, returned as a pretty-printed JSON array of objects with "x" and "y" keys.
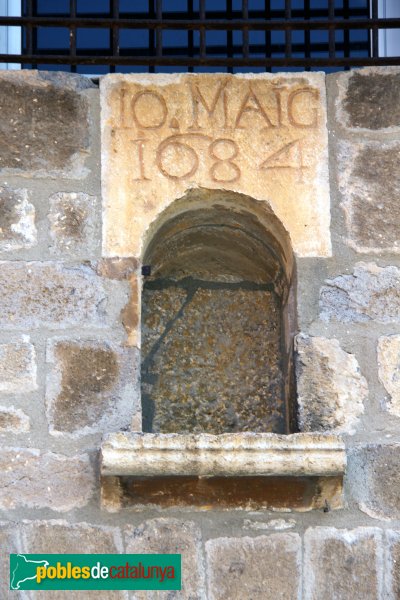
[
  {"x": 261, "y": 568},
  {"x": 44, "y": 129}
]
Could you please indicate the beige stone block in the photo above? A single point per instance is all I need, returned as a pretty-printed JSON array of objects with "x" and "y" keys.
[
  {"x": 17, "y": 368},
  {"x": 171, "y": 536},
  {"x": 33, "y": 479},
  {"x": 260, "y": 135},
  {"x": 17, "y": 220},
  {"x": 343, "y": 564},
  {"x": 330, "y": 388},
  {"x": 260, "y": 568},
  {"x": 389, "y": 370}
]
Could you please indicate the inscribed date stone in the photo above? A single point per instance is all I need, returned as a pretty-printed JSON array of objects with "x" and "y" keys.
[{"x": 261, "y": 135}]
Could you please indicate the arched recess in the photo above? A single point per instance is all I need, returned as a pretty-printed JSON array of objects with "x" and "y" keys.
[{"x": 218, "y": 318}]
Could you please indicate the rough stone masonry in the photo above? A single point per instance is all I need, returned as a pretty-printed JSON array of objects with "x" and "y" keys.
[{"x": 322, "y": 154}]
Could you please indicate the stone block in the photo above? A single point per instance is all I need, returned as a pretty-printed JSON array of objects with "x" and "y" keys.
[
  {"x": 171, "y": 536},
  {"x": 373, "y": 475},
  {"x": 49, "y": 294},
  {"x": 17, "y": 368},
  {"x": 260, "y": 568},
  {"x": 330, "y": 388},
  {"x": 31, "y": 478},
  {"x": 10, "y": 544},
  {"x": 370, "y": 293},
  {"x": 73, "y": 223},
  {"x": 369, "y": 98},
  {"x": 256, "y": 134},
  {"x": 17, "y": 220},
  {"x": 341, "y": 564},
  {"x": 13, "y": 420},
  {"x": 389, "y": 370},
  {"x": 61, "y": 537},
  {"x": 369, "y": 181},
  {"x": 392, "y": 564},
  {"x": 93, "y": 386},
  {"x": 44, "y": 130}
]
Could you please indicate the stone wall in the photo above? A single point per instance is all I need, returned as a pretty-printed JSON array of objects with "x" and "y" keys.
[{"x": 70, "y": 356}]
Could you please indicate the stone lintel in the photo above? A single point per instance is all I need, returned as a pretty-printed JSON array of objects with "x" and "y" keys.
[{"x": 227, "y": 455}]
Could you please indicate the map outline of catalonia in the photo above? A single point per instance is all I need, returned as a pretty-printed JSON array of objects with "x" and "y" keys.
[{"x": 43, "y": 563}]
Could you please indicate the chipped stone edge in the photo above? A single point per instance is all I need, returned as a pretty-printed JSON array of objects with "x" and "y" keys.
[{"x": 237, "y": 454}]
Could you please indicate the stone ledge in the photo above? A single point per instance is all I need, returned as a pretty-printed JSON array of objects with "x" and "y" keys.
[{"x": 228, "y": 455}]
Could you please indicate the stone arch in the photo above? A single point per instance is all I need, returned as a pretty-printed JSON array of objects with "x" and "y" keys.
[{"x": 218, "y": 318}]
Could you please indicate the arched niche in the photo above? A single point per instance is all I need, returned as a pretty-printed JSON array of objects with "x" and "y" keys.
[{"x": 217, "y": 318}]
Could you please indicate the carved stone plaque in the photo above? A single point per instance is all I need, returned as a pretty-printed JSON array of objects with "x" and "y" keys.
[{"x": 261, "y": 135}]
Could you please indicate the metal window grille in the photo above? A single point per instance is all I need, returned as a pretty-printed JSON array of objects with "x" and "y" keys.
[{"x": 199, "y": 35}]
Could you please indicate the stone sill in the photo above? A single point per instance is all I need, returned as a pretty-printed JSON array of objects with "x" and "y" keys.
[{"x": 226, "y": 455}]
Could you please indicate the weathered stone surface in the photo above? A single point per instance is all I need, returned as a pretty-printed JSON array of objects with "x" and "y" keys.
[
  {"x": 61, "y": 537},
  {"x": 389, "y": 370},
  {"x": 369, "y": 180},
  {"x": 272, "y": 524},
  {"x": 17, "y": 368},
  {"x": 242, "y": 454},
  {"x": 374, "y": 478},
  {"x": 34, "y": 479},
  {"x": 74, "y": 223},
  {"x": 44, "y": 131},
  {"x": 369, "y": 98},
  {"x": 330, "y": 388},
  {"x": 260, "y": 135},
  {"x": 343, "y": 564},
  {"x": 17, "y": 220},
  {"x": 171, "y": 536},
  {"x": 92, "y": 386},
  {"x": 215, "y": 353},
  {"x": 13, "y": 420},
  {"x": 371, "y": 293},
  {"x": 10, "y": 544},
  {"x": 260, "y": 568},
  {"x": 392, "y": 565},
  {"x": 49, "y": 294}
]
